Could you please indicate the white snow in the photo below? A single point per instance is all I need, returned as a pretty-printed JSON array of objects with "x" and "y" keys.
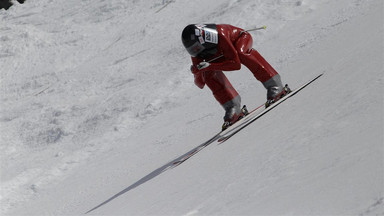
[{"x": 97, "y": 97}]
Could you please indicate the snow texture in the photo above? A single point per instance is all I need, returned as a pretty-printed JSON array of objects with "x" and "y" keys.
[{"x": 97, "y": 97}]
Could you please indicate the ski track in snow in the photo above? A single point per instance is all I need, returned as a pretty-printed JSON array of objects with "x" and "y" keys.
[{"x": 92, "y": 101}]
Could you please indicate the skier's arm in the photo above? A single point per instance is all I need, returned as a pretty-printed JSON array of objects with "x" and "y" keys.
[
  {"x": 231, "y": 58},
  {"x": 195, "y": 62},
  {"x": 198, "y": 74}
]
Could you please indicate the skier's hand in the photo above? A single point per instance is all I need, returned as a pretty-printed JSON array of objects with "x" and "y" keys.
[
  {"x": 203, "y": 65},
  {"x": 199, "y": 68},
  {"x": 194, "y": 69}
]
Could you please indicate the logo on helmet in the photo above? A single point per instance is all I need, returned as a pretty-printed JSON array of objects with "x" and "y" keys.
[
  {"x": 197, "y": 32},
  {"x": 211, "y": 35},
  {"x": 201, "y": 40}
]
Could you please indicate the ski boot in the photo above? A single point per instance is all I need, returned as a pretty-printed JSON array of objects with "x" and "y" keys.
[
  {"x": 286, "y": 90},
  {"x": 235, "y": 118}
]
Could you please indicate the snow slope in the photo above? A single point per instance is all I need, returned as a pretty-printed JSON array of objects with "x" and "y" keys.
[{"x": 96, "y": 98}]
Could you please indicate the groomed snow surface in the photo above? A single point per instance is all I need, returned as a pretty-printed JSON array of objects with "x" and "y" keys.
[{"x": 96, "y": 97}]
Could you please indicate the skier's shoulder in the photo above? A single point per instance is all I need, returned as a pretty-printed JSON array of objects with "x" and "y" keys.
[
  {"x": 227, "y": 27},
  {"x": 229, "y": 31}
]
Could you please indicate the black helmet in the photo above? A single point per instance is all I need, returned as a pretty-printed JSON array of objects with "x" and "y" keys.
[{"x": 200, "y": 39}]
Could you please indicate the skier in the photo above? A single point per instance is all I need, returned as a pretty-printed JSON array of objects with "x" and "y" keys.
[{"x": 222, "y": 47}]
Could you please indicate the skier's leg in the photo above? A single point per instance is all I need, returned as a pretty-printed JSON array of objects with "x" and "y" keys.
[
  {"x": 260, "y": 68},
  {"x": 225, "y": 94}
]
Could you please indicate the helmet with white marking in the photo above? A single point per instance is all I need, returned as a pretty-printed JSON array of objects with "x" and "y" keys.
[{"x": 200, "y": 39}]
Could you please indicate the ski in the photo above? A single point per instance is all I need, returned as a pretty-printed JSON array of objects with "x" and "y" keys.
[
  {"x": 258, "y": 112},
  {"x": 237, "y": 126},
  {"x": 194, "y": 151}
]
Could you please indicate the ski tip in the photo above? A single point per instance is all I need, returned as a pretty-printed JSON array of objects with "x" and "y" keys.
[{"x": 316, "y": 77}]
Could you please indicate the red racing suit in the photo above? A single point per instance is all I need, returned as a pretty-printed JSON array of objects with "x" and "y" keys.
[{"x": 236, "y": 47}]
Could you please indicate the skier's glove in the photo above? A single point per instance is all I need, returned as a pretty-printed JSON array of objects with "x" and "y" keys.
[
  {"x": 203, "y": 65},
  {"x": 194, "y": 69}
]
